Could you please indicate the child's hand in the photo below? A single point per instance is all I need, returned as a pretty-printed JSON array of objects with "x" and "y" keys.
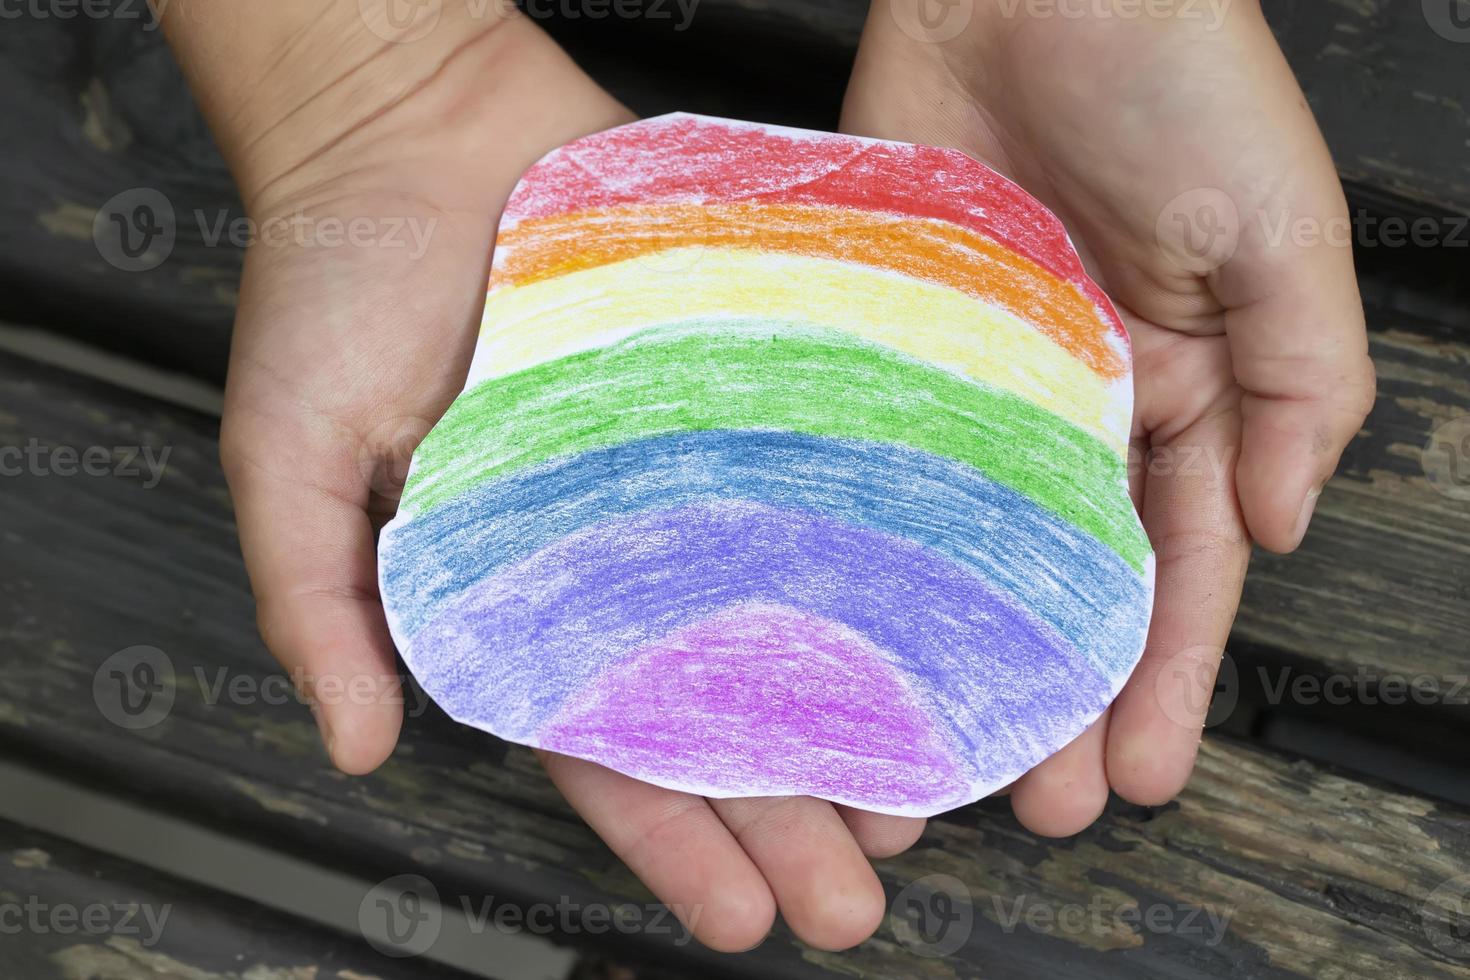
[
  {"x": 345, "y": 354},
  {"x": 1190, "y": 173}
]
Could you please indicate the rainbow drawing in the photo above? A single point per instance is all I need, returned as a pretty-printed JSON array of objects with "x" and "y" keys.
[{"x": 788, "y": 463}]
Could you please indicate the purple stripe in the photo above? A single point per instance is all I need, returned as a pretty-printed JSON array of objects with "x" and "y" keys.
[{"x": 513, "y": 650}]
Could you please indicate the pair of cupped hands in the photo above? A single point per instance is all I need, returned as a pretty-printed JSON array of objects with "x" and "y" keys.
[{"x": 1171, "y": 146}]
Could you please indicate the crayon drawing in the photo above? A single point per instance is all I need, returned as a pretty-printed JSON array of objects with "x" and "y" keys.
[{"x": 788, "y": 462}]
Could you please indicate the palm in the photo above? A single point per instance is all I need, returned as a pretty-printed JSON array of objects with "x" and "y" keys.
[{"x": 352, "y": 347}]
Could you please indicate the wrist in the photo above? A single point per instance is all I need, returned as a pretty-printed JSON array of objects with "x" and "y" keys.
[{"x": 298, "y": 95}]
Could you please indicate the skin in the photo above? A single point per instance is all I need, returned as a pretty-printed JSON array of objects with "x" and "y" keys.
[{"x": 343, "y": 357}]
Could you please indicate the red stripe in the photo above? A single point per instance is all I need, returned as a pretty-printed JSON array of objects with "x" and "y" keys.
[{"x": 684, "y": 158}]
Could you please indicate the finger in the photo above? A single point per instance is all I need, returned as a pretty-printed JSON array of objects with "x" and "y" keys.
[
  {"x": 824, "y": 886},
  {"x": 1201, "y": 550},
  {"x": 1066, "y": 792},
  {"x": 881, "y": 835},
  {"x": 1306, "y": 397},
  {"x": 1301, "y": 354},
  {"x": 1295, "y": 325},
  {"x": 676, "y": 846},
  {"x": 308, "y": 547}
]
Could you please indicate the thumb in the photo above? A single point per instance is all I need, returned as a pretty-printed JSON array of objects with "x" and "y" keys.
[{"x": 1300, "y": 352}]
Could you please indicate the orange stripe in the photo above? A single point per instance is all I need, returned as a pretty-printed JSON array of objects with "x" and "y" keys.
[{"x": 935, "y": 251}]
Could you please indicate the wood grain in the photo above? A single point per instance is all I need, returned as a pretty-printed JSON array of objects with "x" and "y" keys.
[
  {"x": 1382, "y": 583},
  {"x": 72, "y": 913},
  {"x": 1387, "y": 81}
]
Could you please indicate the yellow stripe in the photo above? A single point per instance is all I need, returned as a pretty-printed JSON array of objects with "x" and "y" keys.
[{"x": 527, "y": 325}]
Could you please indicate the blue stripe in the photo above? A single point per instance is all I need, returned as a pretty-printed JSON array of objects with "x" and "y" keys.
[{"x": 1067, "y": 578}]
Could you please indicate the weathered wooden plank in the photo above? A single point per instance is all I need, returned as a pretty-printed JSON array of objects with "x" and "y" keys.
[
  {"x": 92, "y": 108},
  {"x": 71, "y": 913},
  {"x": 1389, "y": 84},
  {"x": 1382, "y": 583},
  {"x": 1307, "y": 873}
]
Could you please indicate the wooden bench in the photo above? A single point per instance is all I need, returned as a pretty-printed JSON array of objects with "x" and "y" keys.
[
  {"x": 92, "y": 915},
  {"x": 1320, "y": 837}
]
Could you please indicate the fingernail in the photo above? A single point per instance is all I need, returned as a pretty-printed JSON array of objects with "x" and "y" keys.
[{"x": 1305, "y": 517}]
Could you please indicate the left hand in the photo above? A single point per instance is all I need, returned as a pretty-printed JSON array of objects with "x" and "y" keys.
[{"x": 1251, "y": 370}]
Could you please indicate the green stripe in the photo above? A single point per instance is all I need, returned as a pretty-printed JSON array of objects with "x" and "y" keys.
[{"x": 825, "y": 383}]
